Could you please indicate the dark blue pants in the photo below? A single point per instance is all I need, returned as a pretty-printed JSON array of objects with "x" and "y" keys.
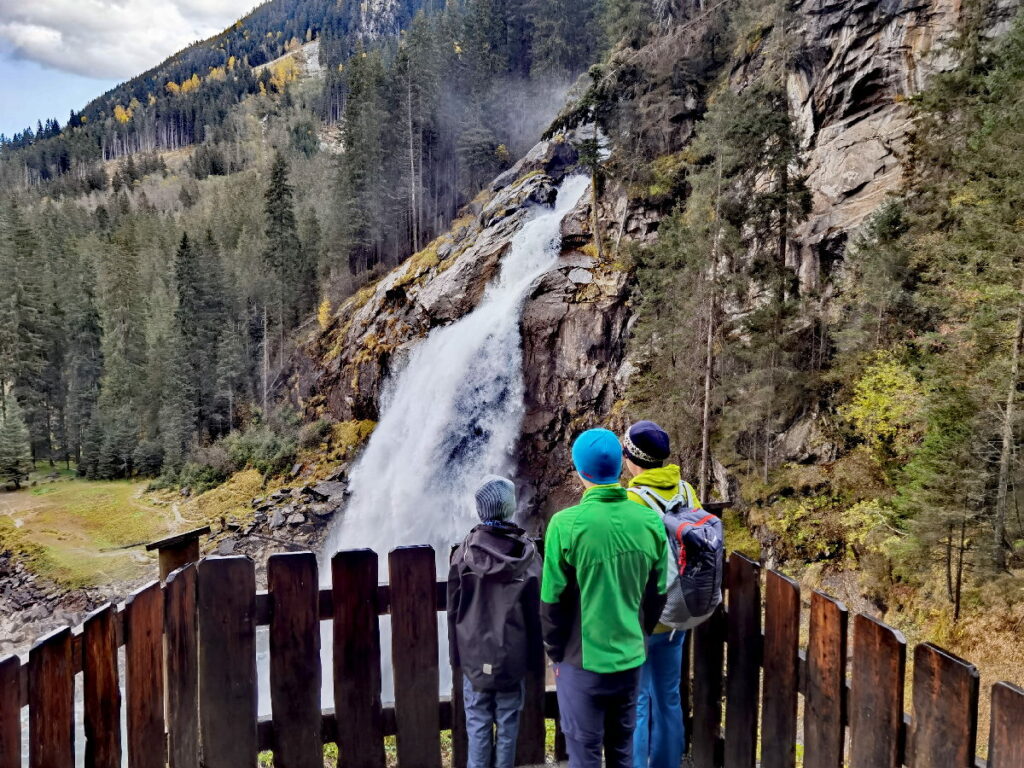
[{"x": 597, "y": 710}]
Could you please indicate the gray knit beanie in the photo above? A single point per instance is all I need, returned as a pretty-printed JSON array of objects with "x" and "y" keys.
[{"x": 496, "y": 499}]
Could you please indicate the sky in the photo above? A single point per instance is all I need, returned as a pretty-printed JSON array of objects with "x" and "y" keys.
[{"x": 57, "y": 55}]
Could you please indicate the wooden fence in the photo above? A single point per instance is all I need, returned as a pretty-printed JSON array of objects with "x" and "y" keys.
[{"x": 190, "y": 678}]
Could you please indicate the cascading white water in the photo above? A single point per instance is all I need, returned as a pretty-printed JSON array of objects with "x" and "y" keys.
[{"x": 454, "y": 413}]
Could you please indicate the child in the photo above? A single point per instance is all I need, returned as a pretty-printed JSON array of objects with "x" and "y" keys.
[{"x": 494, "y": 623}]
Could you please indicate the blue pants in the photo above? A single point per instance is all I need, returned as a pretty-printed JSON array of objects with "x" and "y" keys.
[
  {"x": 659, "y": 738},
  {"x": 492, "y": 725},
  {"x": 597, "y": 710}
]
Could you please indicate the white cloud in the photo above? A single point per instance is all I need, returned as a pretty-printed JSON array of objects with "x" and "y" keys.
[{"x": 113, "y": 39}]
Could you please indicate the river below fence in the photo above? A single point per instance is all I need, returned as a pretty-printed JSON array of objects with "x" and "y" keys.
[{"x": 207, "y": 660}]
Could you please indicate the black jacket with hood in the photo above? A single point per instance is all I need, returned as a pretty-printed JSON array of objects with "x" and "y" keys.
[{"x": 494, "y": 631}]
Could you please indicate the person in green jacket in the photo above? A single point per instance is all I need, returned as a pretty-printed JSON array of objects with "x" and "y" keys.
[
  {"x": 659, "y": 740},
  {"x": 602, "y": 590}
]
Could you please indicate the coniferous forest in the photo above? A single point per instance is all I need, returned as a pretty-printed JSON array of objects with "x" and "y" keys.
[
  {"x": 166, "y": 250},
  {"x": 164, "y": 242}
]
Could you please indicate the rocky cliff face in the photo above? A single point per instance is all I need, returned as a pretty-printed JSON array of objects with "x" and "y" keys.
[{"x": 859, "y": 62}]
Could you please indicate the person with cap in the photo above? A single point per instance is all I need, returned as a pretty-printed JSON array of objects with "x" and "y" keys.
[
  {"x": 605, "y": 574},
  {"x": 659, "y": 740},
  {"x": 494, "y": 631}
]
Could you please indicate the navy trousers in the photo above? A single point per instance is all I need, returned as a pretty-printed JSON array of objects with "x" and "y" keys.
[{"x": 595, "y": 711}]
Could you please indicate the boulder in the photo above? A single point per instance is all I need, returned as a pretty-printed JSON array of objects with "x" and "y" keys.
[
  {"x": 296, "y": 518},
  {"x": 328, "y": 489},
  {"x": 227, "y": 546}
]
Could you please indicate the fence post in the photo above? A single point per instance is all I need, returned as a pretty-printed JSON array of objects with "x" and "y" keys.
[
  {"x": 876, "y": 694},
  {"x": 781, "y": 671},
  {"x": 51, "y": 702},
  {"x": 227, "y": 662},
  {"x": 1006, "y": 736},
  {"x": 826, "y": 684},
  {"x": 530, "y": 747},
  {"x": 10, "y": 712},
  {"x": 743, "y": 662},
  {"x": 295, "y": 660},
  {"x": 357, "y": 670},
  {"x": 102, "y": 690},
  {"x": 178, "y": 551},
  {"x": 144, "y": 677},
  {"x": 708, "y": 647},
  {"x": 181, "y": 643},
  {"x": 414, "y": 651},
  {"x": 944, "y": 729}
]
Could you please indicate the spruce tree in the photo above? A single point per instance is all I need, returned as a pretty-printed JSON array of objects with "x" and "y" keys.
[
  {"x": 15, "y": 451},
  {"x": 283, "y": 252},
  {"x": 28, "y": 270}
]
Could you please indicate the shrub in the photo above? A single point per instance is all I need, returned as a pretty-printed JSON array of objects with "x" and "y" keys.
[
  {"x": 268, "y": 447},
  {"x": 313, "y": 434}
]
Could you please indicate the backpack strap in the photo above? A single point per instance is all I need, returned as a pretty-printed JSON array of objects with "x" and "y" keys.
[
  {"x": 657, "y": 502},
  {"x": 651, "y": 499}
]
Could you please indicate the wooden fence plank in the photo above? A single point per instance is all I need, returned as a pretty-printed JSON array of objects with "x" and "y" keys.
[
  {"x": 357, "y": 670},
  {"x": 1006, "y": 736},
  {"x": 876, "y": 694},
  {"x": 684, "y": 683},
  {"x": 227, "y": 662},
  {"x": 181, "y": 637},
  {"x": 144, "y": 677},
  {"x": 101, "y": 690},
  {"x": 295, "y": 660},
  {"x": 414, "y": 651},
  {"x": 826, "y": 681},
  {"x": 743, "y": 662},
  {"x": 460, "y": 739},
  {"x": 781, "y": 671},
  {"x": 944, "y": 726},
  {"x": 51, "y": 700},
  {"x": 708, "y": 648},
  {"x": 530, "y": 748},
  {"x": 10, "y": 712}
]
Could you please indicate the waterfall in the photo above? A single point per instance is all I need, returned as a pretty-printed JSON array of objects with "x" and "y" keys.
[
  {"x": 454, "y": 413},
  {"x": 449, "y": 417}
]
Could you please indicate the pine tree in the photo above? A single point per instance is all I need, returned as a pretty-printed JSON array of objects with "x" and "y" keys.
[
  {"x": 28, "y": 269},
  {"x": 183, "y": 392},
  {"x": 15, "y": 452},
  {"x": 310, "y": 267},
  {"x": 231, "y": 372},
  {"x": 283, "y": 252}
]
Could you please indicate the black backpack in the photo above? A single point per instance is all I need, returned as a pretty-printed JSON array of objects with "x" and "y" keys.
[{"x": 696, "y": 546}]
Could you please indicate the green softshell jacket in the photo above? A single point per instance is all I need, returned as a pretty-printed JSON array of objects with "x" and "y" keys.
[{"x": 604, "y": 582}]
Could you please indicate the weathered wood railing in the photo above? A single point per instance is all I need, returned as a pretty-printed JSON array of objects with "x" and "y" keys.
[{"x": 190, "y": 678}]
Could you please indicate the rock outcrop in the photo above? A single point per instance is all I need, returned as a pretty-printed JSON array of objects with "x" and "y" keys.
[{"x": 861, "y": 63}]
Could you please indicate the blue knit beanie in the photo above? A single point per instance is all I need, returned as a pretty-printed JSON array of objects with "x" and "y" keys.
[
  {"x": 597, "y": 456},
  {"x": 496, "y": 499}
]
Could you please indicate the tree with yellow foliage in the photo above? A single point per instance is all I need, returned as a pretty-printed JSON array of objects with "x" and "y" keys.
[
  {"x": 323, "y": 314},
  {"x": 283, "y": 72}
]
